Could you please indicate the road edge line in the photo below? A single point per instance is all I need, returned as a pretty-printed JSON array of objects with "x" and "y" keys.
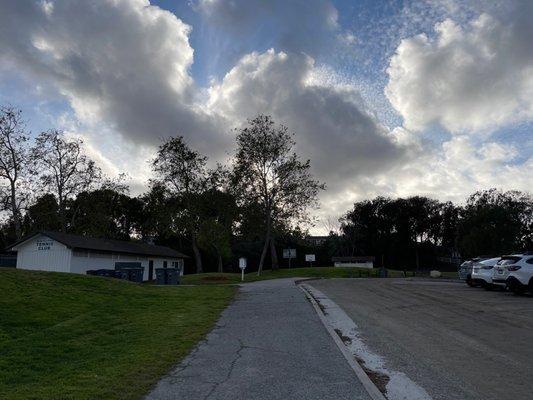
[{"x": 367, "y": 383}]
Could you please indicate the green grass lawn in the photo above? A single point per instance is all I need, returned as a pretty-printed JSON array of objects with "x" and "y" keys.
[
  {"x": 66, "y": 336},
  {"x": 315, "y": 272}
]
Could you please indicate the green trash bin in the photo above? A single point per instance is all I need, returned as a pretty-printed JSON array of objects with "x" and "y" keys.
[
  {"x": 161, "y": 276},
  {"x": 173, "y": 276}
]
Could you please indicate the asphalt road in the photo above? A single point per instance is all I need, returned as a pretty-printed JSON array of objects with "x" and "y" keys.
[
  {"x": 455, "y": 341},
  {"x": 268, "y": 344}
]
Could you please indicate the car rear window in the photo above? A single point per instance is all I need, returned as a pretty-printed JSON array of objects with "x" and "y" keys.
[{"x": 509, "y": 260}]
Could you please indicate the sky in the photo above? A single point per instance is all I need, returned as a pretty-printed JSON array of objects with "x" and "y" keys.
[{"x": 385, "y": 97}]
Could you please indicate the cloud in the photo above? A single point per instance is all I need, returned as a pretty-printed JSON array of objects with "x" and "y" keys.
[
  {"x": 299, "y": 25},
  {"x": 122, "y": 62},
  {"x": 124, "y": 67},
  {"x": 466, "y": 78},
  {"x": 332, "y": 126}
]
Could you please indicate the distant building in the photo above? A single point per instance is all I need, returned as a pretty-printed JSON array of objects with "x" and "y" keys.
[
  {"x": 354, "y": 261},
  {"x": 62, "y": 252},
  {"x": 316, "y": 240}
]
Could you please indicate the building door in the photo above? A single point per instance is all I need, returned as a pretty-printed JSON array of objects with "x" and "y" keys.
[
  {"x": 165, "y": 264},
  {"x": 150, "y": 270}
]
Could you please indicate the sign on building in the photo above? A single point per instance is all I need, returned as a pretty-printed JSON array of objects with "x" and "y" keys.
[
  {"x": 44, "y": 245},
  {"x": 310, "y": 257},
  {"x": 289, "y": 253}
]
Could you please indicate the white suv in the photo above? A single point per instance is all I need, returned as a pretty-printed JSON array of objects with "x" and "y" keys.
[
  {"x": 516, "y": 272},
  {"x": 482, "y": 272}
]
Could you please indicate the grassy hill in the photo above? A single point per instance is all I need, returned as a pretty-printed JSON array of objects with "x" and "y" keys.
[{"x": 65, "y": 336}]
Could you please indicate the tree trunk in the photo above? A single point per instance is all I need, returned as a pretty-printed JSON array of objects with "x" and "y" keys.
[
  {"x": 273, "y": 254},
  {"x": 220, "y": 265},
  {"x": 62, "y": 213},
  {"x": 14, "y": 210},
  {"x": 197, "y": 255},
  {"x": 265, "y": 247}
]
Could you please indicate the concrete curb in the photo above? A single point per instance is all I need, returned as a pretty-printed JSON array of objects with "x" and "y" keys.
[{"x": 370, "y": 387}]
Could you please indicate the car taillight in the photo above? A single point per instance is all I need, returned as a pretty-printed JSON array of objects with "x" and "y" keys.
[{"x": 513, "y": 267}]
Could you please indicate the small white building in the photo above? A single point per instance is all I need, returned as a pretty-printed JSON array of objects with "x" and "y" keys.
[
  {"x": 354, "y": 261},
  {"x": 62, "y": 252}
]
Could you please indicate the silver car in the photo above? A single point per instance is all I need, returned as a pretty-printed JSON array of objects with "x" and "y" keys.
[
  {"x": 465, "y": 270},
  {"x": 482, "y": 272}
]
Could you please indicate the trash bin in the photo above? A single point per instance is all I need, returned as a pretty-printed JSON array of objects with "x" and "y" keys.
[
  {"x": 121, "y": 274},
  {"x": 173, "y": 276},
  {"x": 160, "y": 276},
  {"x": 136, "y": 274}
]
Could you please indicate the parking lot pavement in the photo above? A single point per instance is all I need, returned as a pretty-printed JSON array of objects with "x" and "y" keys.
[
  {"x": 268, "y": 344},
  {"x": 455, "y": 341}
]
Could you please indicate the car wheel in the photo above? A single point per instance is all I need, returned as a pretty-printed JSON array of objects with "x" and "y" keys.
[
  {"x": 516, "y": 287},
  {"x": 469, "y": 281},
  {"x": 488, "y": 286}
]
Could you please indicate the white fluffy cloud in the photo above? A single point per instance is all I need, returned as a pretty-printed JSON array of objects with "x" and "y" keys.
[
  {"x": 466, "y": 78},
  {"x": 124, "y": 68},
  {"x": 332, "y": 126},
  {"x": 121, "y": 62},
  {"x": 344, "y": 140},
  {"x": 458, "y": 168}
]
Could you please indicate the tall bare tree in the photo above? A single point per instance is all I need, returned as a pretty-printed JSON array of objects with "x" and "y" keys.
[
  {"x": 63, "y": 169},
  {"x": 183, "y": 172},
  {"x": 268, "y": 171},
  {"x": 13, "y": 163}
]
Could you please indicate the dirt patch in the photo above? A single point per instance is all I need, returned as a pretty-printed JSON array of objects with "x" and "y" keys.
[
  {"x": 215, "y": 278},
  {"x": 379, "y": 379}
]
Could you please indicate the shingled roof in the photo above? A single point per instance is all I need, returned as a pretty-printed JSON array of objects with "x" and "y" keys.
[{"x": 107, "y": 245}]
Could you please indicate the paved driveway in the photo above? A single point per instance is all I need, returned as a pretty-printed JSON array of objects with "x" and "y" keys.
[
  {"x": 456, "y": 342},
  {"x": 268, "y": 344}
]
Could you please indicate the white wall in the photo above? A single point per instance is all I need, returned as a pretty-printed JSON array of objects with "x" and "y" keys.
[
  {"x": 158, "y": 263},
  {"x": 44, "y": 254},
  {"x": 95, "y": 260}
]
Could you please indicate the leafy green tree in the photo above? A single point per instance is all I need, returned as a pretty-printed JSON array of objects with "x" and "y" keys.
[
  {"x": 43, "y": 215},
  {"x": 183, "y": 173},
  {"x": 106, "y": 212},
  {"x": 494, "y": 222},
  {"x": 219, "y": 214},
  {"x": 267, "y": 172}
]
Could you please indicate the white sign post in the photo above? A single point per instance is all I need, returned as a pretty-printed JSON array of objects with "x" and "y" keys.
[
  {"x": 310, "y": 258},
  {"x": 242, "y": 266},
  {"x": 289, "y": 253}
]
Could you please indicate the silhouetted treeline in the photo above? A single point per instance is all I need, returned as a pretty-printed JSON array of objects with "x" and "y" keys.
[
  {"x": 419, "y": 232},
  {"x": 254, "y": 207}
]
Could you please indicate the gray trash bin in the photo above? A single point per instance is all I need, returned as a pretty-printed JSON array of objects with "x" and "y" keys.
[
  {"x": 160, "y": 276},
  {"x": 136, "y": 274},
  {"x": 173, "y": 276}
]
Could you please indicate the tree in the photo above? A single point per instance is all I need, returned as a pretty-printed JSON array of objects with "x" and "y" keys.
[
  {"x": 219, "y": 212},
  {"x": 269, "y": 173},
  {"x": 495, "y": 222},
  {"x": 43, "y": 214},
  {"x": 183, "y": 172},
  {"x": 107, "y": 212},
  {"x": 63, "y": 169},
  {"x": 13, "y": 163}
]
